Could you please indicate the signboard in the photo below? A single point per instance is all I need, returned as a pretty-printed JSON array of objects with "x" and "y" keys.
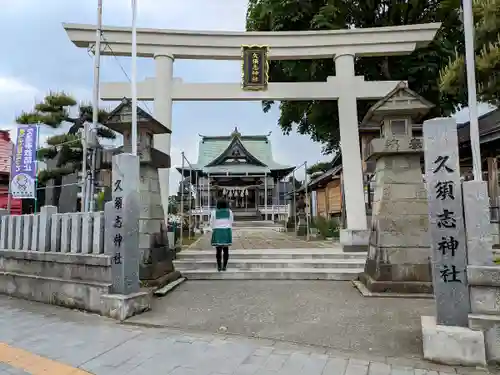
[
  {"x": 255, "y": 67},
  {"x": 446, "y": 222},
  {"x": 23, "y": 166}
]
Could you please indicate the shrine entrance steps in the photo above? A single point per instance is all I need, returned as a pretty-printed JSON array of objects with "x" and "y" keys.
[
  {"x": 242, "y": 215},
  {"x": 256, "y": 224},
  {"x": 273, "y": 264},
  {"x": 266, "y": 254}
]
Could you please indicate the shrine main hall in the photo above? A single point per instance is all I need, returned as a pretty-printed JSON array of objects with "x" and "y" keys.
[{"x": 241, "y": 169}]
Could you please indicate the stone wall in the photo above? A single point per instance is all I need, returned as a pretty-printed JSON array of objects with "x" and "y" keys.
[
  {"x": 56, "y": 258},
  {"x": 66, "y": 279}
]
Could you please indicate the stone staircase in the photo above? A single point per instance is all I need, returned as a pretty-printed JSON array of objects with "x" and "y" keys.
[
  {"x": 255, "y": 224},
  {"x": 242, "y": 215},
  {"x": 273, "y": 264}
]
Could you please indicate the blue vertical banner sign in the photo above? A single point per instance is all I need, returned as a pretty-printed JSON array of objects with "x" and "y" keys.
[{"x": 23, "y": 167}]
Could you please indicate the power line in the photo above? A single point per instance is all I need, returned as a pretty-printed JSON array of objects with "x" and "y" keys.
[{"x": 91, "y": 50}]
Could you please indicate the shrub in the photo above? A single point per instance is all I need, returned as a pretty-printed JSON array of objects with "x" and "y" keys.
[
  {"x": 100, "y": 201},
  {"x": 327, "y": 227}
]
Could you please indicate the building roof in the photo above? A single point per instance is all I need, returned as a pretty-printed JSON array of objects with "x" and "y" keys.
[
  {"x": 333, "y": 172},
  {"x": 120, "y": 119},
  {"x": 400, "y": 100},
  {"x": 489, "y": 126},
  {"x": 6, "y": 148},
  {"x": 236, "y": 154}
]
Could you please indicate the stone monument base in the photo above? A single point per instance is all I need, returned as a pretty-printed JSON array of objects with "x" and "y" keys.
[
  {"x": 354, "y": 240},
  {"x": 484, "y": 283},
  {"x": 121, "y": 307},
  {"x": 391, "y": 276},
  {"x": 159, "y": 272},
  {"x": 452, "y": 345},
  {"x": 391, "y": 286}
]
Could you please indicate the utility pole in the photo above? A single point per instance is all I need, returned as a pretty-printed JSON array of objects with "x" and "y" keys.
[
  {"x": 468, "y": 20},
  {"x": 133, "y": 80},
  {"x": 95, "y": 107}
]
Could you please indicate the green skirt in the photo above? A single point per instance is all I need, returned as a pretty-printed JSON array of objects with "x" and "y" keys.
[{"x": 222, "y": 237}]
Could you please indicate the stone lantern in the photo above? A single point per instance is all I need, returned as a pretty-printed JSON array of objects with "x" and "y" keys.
[
  {"x": 156, "y": 257},
  {"x": 301, "y": 207},
  {"x": 399, "y": 247}
]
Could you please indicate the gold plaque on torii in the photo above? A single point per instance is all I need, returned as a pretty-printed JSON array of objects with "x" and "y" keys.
[{"x": 254, "y": 67}]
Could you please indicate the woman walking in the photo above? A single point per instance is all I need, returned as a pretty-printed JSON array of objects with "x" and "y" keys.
[{"x": 221, "y": 222}]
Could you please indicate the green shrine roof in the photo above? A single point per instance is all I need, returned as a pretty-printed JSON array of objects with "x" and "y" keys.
[{"x": 236, "y": 154}]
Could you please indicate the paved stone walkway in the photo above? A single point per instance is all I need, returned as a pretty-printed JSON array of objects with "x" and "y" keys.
[
  {"x": 103, "y": 347},
  {"x": 261, "y": 238}
]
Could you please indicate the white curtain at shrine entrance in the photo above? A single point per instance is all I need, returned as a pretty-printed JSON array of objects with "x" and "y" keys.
[{"x": 237, "y": 196}]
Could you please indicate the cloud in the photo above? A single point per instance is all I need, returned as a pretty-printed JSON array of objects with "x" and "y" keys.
[
  {"x": 14, "y": 92},
  {"x": 10, "y": 85}
]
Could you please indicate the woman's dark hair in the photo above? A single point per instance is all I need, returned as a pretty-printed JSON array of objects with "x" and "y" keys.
[{"x": 222, "y": 203}]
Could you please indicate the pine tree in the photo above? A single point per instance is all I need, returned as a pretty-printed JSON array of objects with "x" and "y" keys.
[{"x": 66, "y": 148}]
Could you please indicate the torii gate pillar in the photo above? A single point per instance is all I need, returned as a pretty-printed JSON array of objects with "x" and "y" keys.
[
  {"x": 356, "y": 236},
  {"x": 164, "y": 69}
]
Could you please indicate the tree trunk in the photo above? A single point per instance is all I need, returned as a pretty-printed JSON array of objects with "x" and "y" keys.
[{"x": 56, "y": 193}]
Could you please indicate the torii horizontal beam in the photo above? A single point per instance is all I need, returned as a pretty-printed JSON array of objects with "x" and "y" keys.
[
  {"x": 329, "y": 90},
  {"x": 284, "y": 45}
]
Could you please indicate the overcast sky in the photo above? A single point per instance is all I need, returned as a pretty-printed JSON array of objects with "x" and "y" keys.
[{"x": 37, "y": 56}]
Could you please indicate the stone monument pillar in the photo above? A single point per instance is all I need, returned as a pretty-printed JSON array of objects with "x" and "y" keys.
[
  {"x": 446, "y": 337},
  {"x": 399, "y": 248},
  {"x": 156, "y": 264},
  {"x": 121, "y": 217}
]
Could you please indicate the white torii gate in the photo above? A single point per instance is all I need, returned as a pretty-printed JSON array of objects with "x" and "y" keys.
[{"x": 342, "y": 45}]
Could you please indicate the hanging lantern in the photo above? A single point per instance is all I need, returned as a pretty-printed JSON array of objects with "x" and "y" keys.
[{"x": 224, "y": 192}]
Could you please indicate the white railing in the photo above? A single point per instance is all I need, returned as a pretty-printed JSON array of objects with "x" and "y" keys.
[
  {"x": 281, "y": 210},
  {"x": 274, "y": 209},
  {"x": 201, "y": 211},
  {"x": 78, "y": 232}
]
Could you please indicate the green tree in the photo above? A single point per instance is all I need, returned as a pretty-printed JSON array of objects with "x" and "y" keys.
[
  {"x": 487, "y": 53},
  {"x": 66, "y": 149},
  {"x": 189, "y": 198},
  {"x": 319, "y": 119},
  {"x": 172, "y": 204},
  {"x": 321, "y": 166}
]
